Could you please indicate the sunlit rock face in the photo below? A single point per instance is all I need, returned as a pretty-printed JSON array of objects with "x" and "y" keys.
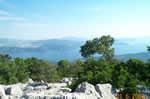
[
  {"x": 106, "y": 91},
  {"x": 43, "y": 90}
]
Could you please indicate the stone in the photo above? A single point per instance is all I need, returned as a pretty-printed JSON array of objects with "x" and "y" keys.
[
  {"x": 40, "y": 88},
  {"x": 88, "y": 89},
  {"x": 14, "y": 90},
  {"x": 65, "y": 90},
  {"x": 72, "y": 96},
  {"x": 29, "y": 89},
  {"x": 106, "y": 91},
  {"x": 30, "y": 80},
  {"x": 38, "y": 84},
  {"x": 65, "y": 79},
  {"x": 2, "y": 93},
  {"x": 43, "y": 90},
  {"x": 69, "y": 83}
]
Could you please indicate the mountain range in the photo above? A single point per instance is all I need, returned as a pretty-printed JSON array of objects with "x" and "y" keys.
[{"x": 69, "y": 47}]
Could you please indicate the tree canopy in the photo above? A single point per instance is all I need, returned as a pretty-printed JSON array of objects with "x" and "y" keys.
[{"x": 101, "y": 46}]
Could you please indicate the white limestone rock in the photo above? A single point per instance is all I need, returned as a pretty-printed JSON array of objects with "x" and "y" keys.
[
  {"x": 106, "y": 91},
  {"x": 40, "y": 88},
  {"x": 65, "y": 90},
  {"x": 65, "y": 79},
  {"x": 30, "y": 81},
  {"x": 14, "y": 90},
  {"x": 87, "y": 89},
  {"x": 29, "y": 89},
  {"x": 2, "y": 93}
]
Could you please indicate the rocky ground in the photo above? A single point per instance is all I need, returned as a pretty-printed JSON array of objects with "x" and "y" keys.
[{"x": 43, "y": 90}]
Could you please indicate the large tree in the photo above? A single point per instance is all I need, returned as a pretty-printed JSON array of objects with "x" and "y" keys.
[{"x": 101, "y": 46}]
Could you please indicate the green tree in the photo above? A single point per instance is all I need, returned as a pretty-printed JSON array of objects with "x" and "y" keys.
[
  {"x": 76, "y": 68},
  {"x": 63, "y": 68},
  {"x": 99, "y": 46},
  {"x": 22, "y": 73},
  {"x": 8, "y": 72},
  {"x": 42, "y": 70}
]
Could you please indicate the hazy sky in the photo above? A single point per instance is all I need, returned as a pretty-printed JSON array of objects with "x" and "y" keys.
[{"x": 43, "y": 19}]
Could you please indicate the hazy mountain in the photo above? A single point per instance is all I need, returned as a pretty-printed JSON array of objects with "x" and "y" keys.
[
  {"x": 57, "y": 49},
  {"x": 142, "y": 56}
]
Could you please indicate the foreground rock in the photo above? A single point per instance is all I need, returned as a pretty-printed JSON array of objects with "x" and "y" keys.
[
  {"x": 2, "y": 93},
  {"x": 106, "y": 91},
  {"x": 43, "y": 90},
  {"x": 88, "y": 89}
]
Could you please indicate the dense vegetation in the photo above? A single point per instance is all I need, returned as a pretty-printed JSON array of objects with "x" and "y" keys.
[{"x": 123, "y": 75}]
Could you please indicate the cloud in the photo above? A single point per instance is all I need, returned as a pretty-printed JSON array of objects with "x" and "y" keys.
[
  {"x": 97, "y": 9},
  {"x": 30, "y": 24},
  {"x": 11, "y": 18},
  {"x": 4, "y": 13}
]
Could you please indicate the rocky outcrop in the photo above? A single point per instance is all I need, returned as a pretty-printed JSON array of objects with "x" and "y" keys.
[
  {"x": 87, "y": 89},
  {"x": 14, "y": 91},
  {"x": 69, "y": 80},
  {"x": 2, "y": 93},
  {"x": 106, "y": 91},
  {"x": 43, "y": 90}
]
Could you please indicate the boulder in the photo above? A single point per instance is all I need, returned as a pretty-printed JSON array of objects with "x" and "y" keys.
[
  {"x": 72, "y": 96},
  {"x": 60, "y": 96},
  {"x": 65, "y": 90},
  {"x": 29, "y": 89},
  {"x": 2, "y": 93},
  {"x": 35, "y": 84},
  {"x": 65, "y": 79},
  {"x": 106, "y": 91},
  {"x": 69, "y": 83},
  {"x": 144, "y": 90},
  {"x": 14, "y": 91},
  {"x": 40, "y": 88},
  {"x": 87, "y": 89},
  {"x": 30, "y": 81}
]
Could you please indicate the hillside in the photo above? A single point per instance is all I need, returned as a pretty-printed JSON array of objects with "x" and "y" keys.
[
  {"x": 68, "y": 48},
  {"x": 142, "y": 56}
]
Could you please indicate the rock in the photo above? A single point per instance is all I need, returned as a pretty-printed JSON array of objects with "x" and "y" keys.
[
  {"x": 2, "y": 93},
  {"x": 65, "y": 79},
  {"x": 30, "y": 80},
  {"x": 72, "y": 96},
  {"x": 65, "y": 90},
  {"x": 69, "y": 83},
  {"x": 60, "y": 96},
  {"x": 29, "y": 89},
  {"x": 40, "y": 88},
  {"x": 73, "y": 78},
  {"x": 144, "y": 90},
  {"x": 88, "y": 89},
  {"x": 38, "y": 84},
  {"x": 106, "y": 91},
  {"x": 14, "y": 90},
  {"x": 56, "y": 85}
]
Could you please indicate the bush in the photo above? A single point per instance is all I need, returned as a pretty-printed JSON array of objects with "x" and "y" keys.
[{"x": 42, "y": 70}]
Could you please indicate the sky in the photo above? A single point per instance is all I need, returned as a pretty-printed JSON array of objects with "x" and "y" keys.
[{"x": 45, "y": 19}]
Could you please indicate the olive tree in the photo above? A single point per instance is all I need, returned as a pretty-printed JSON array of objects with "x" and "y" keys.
[{"x": 101, "y": 46}]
